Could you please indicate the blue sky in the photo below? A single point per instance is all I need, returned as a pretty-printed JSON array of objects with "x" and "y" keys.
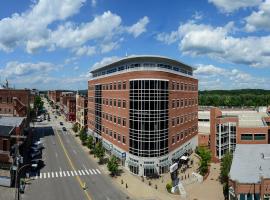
[{"x": 48, "y": 44}]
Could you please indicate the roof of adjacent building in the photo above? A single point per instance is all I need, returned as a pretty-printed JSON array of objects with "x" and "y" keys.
[
  {"x": 154, "y": 58},
  {"x": 248, "y": 118},
  {"x": 204, "y": 128},
  {"x": 5, "y": 130},
  {"x": 11, "y": 121},
  {"x": 250, "y": 163}
]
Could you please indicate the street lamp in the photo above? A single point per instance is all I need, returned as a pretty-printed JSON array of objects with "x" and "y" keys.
[{"x": 16, "y": 178}]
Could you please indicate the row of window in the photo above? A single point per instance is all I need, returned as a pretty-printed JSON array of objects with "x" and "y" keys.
[
  {"x": 253, "y": 136},
  {"x": 180, "y": 136},
  {"x": 6, "y": 100},
  {"x": 180, "y": 86},
  {"x": 184, "y": 118},
  {"x": 114, "y": 102},
  {"x": 180, "y": 103},
  {"x": 112, "y": 86},
  {"x": 114, "y": 119},
  {"x": 114, "y": 135},
  {"x": 136, "y": 65}
]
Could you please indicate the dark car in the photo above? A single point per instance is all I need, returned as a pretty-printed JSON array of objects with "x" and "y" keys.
[
  {"x": 64, "y": 129},
  {"x": 61, "y": 123},
  {"x": 37, "y": 164}
]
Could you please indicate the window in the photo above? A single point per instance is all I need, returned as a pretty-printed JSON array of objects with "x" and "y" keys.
[
  {"x": 124, "y": 122},
  {"x": 107, "y": 102},
  {"x": 119, "y": 137},
  {"x": 119, "y": 103},
  {"x": 114, "y": 102},
  {"x": 110, "y": 102},
  {"x": 178, "y": 120},
  {"x": 124, "y": 104},
  {"x": 173, "y": 103},
  {"x": 114, "y": 135},
  {"x": 107, "y": 132},
  {"x": 246, "y": 137},
  {"x": 111, "y": 133},
  {"x": 124, "y": 85},
  {"x": 173, "y": 122},
  {"x": 178, "y": 86},
  {"x": 114, "y": 119},
  {"x": 114, "y": 85},
  {"x": 119, "y": 120},
  {"x": 173, "y": 140},
  {"x": 110, "y": 86},
  {"x": 124, "y": 139},
  {"x": 182, "y": 86},
  {"x": 173, "y": 85},
  {"x": 119, "y": 85},
  {"x": 111, "y": 118},
  {"x": 259, "y": 136},
  {"x": 178, "y": 103},
  {"x": 182, "y": 103},
  {"x": 178, "y": 137}
]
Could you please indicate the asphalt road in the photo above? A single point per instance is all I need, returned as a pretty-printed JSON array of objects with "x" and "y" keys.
[{"x": 67, "y": 170}]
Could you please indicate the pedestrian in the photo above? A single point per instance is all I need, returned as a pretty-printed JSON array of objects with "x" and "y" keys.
[{"x": 126, "y": 186}]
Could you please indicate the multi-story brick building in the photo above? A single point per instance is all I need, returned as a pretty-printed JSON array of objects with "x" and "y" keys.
[
  {"x": 144, "y": 109},
  {"x": 54, "y": 95},
  {"x": 81, "y": 110},
  {"x": 68, "y": 105},
  {"x": 249, "y": 177},
  {"x": 14, "y": 102},
  {"x": 231, "y": 127}
]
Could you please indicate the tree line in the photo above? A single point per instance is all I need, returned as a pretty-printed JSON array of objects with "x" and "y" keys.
[{"x": 237, "y": 98}]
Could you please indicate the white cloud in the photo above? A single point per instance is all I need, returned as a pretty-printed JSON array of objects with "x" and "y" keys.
[
  {"x": 220, "y": 43},
  {"x": 105, "y": 61},
  {"x": 259, "y": 19},
  {"x": 168, "y": 38},
  {"x": 32, "y": 29},
  {"x": 139, "y": 28},
  {"x": 229, "y": 6},
  {"x": 94, "y": 3},
  {"x": 213, "y": 77},
  {"x": 16, "y": 69},
  {"x": 32, "y": 25}
]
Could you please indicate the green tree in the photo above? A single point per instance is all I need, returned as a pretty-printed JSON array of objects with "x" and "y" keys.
[
  {"x": 38, "y": 103},
  {"x": 99, "y": 151},
  {"x": 89, "y": 142},
  {"x": 205, "y": 155},
  {"x": 226, "y": 163},
  {"x": 75, "y": 127},
  {"x": 113, "y": 165},
  {"x": 83, "y": 136}
]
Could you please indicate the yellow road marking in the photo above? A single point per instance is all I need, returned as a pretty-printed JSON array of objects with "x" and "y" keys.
[{"x": 72, "y": 166}]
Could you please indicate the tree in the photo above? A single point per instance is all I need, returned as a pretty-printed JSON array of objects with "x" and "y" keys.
[
  {"x": 226, "y": 163},
  {"x": 83, "y": 136},
  {"x": 99, "y": 151},
  {"x": 75, "y": 127},
  {"x": 113, "y": 165},
  {"x": 205, "y": 155},
  {"x": 38, "y": 103},
  {"x": 89, "y": 142}
]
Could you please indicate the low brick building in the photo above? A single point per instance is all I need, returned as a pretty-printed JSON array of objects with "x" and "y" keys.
[
  {"x": 230, "y": 127},
  {"x": 81, "y": 110},
  {"x": 68, "y": 105},
  {"x": 54, "y": 95},
  {"x": 249, "y": 177},
  {"x": 14, "y": 102}
]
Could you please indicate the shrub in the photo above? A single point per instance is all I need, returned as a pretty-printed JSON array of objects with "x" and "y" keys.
[{"x": 169, "y": 187}]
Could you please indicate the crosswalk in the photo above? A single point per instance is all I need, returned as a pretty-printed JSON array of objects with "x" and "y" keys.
[
  {"x": 64, "y": 133},
  {"x": 61, "y": 174}
]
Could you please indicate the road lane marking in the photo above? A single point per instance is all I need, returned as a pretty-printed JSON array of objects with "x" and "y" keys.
[
  {"x": 44, "y": 175},
  {"x": 86, "y": 171},
  {"x": 56, "y": 174},
  {"x": 80, "y": 172},
  {"x": 52, "y": 175},
  {"x": 90, "y": 171},
  {"x": 68, "y": 173},
  {"x": 40, "y": 175},
  {"x": 60, "y": 173},
  {"x": 72, "y": 166},
  {"x": 98, "y": 171},
  {"x": 64, "y": 173},
  {"x": 94, "y": 171},
  {"x": 72, "y": 173},
  {"x": 83, "y": 172},
  {"x": 75, "y": 173}
]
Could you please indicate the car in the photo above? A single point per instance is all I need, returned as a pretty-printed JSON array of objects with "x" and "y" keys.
[
  {"x": 55, "y": 117},
  {"x": 38, "y": 145},
  {"x": 61, "y": 123},
  {"x": 35, "y": 154},
  {"x": 64, "y": 129},
  {"x": 37, "y": 164},
  {"x": 49, "y": 119}
]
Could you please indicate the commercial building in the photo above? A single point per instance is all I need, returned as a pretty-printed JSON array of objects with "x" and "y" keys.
[
  {"x": 81, "y": 110},
  {"x": 14, "y": 102},
  {"x": 249, "y": 177},
  {"x": 68, "y": 105},
  {"x": 229, "y": 127},
  {"x": 54, "y": 95},
  {"x": 144, "y": 110}
]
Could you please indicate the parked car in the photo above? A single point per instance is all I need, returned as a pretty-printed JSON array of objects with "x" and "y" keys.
[
  {"x": 35, "y": 154},
  {"x": 38, "y": 145},
  {"x": 38, "y": 164},
  {"x": 64, "y": 129},
  {"x": 61, "y": 123}
]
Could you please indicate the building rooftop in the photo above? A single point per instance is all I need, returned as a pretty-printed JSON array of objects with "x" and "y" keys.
[
  {"x": 250, "y": 162},
  {"x": 11, "y": 121},
  {"x": 247, "y": 118},
  {"x": 5, "y": 130},
  {"x": 204, "y": 128}
]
